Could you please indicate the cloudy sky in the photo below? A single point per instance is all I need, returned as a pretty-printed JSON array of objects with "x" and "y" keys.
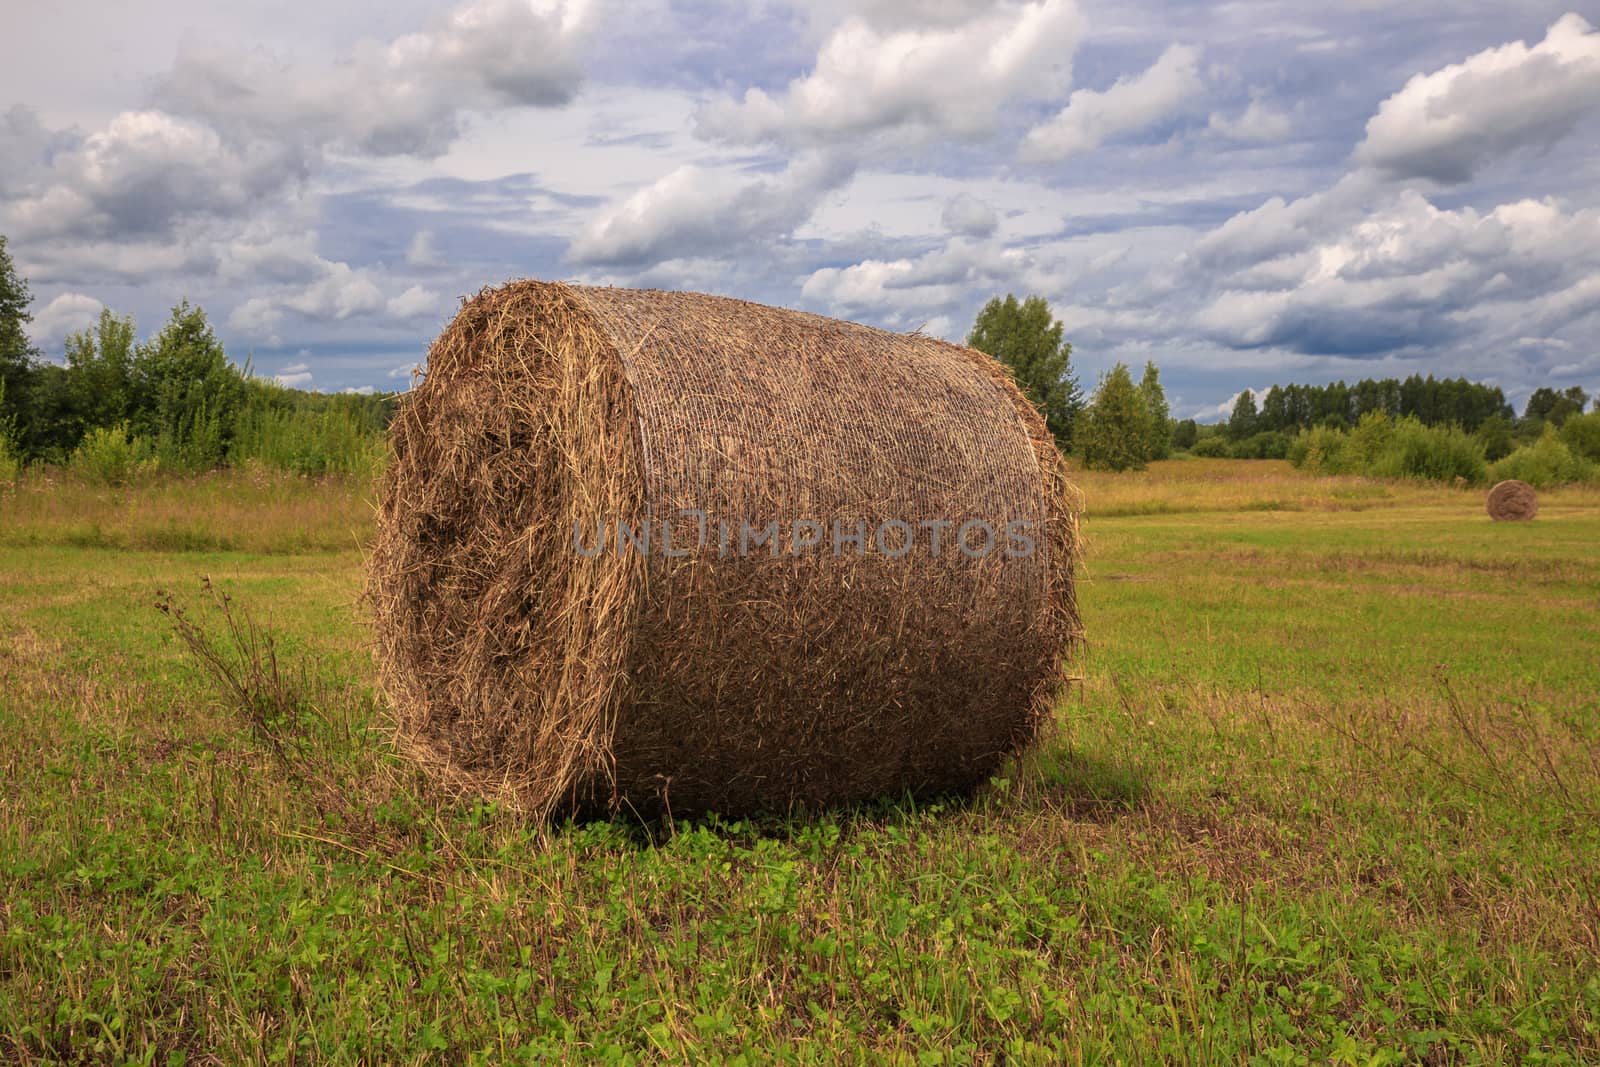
[{"x": 1244, "y": 192}]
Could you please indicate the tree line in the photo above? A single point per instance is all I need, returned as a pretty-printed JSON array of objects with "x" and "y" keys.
[
  {"x": 119, "y": 406},
  {"x": 1431, "y": 401},
  {"x": 1123, "y": 424}
]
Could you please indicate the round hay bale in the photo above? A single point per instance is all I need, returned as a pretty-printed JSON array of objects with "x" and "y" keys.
[
  {"x": 536, "y": 652},
  {"x": 1513, "y": 501}
]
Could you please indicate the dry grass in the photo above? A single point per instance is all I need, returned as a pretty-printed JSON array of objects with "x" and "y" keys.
[
  {"x": 1513, "y": 501},
  {"x": 525, "y": 670},
  {"x": 249, "y": 509},
  {"x": 1184, "y": 485}
]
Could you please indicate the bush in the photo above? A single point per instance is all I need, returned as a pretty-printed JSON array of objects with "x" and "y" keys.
[
  {"x": 10, "y": 462},
  {"x": 1440, "y": 454},
  {"x": 10, "y": 457},
  {"x": 1185, "y": 434},
  {"x": 304, "y": 441},
  {"x": 1214, "y": 447},
  {"x": 1266, "y": 445},
  {"x": 1320, "y": 449},
  {"x": 1368, "y": 442},
  {"x": 1380, "y": 447},
  {"x": 1546, "y": 463},
  {"x": 1495, "y": 434},
  {"x": 111, "y": 456},
  {"x": 1581, "y": 434}
]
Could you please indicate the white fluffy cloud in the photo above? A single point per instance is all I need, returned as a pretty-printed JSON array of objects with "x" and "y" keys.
[
  {"x": 1133, "y": 103},
  {"x": 404, "y": 97},
  {"x": 1448, "y": 124},
  {"x": 924, "y": 75},
  {"x": 66, "y": 314},
  {"x": 1406, "y": 272},
  {"x": 694, "y": 210},
  {"x": 904, "y": 292},
  {"x": 263, "y": 254},
  {"x": 294, "y": 375},
  {"x": 339, "y": 292},
  {"x": 1370, "y": 267},
  {"x": 416, "y": 302},
  {"x": 966, "y": 215},
  {"x": 917, "y": 82},
  {"x": 1260, "y": 122},
  {"x": 139, "y": 174},
  {"x": 234, "y": 136},
  {"x": 856, "y": 156},
  {"x": 421, "y": 252}
]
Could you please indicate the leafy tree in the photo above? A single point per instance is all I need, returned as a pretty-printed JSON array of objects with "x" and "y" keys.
[
  {"x": 10, "y": 462},
  {"x": 1277, "y": 408},
  {"x": 1185, "y": 434},
  {"x": 1242, "y": 422},
  {"x": 1568, "y": 404},
  {"x": 1334, "y": 407},
  {"x": 1582, "y": 435},
  {"x": 184, "y": 392},
  {"x": 100, "y": 371},
  {"x": 1553, "y": 406},
  {"x": 1027, "y": 338},
  {"x": 51, "y": 427},
  {"x": 1155, "y": 404},
  {"x": 1116, "y": 434},
  {"x": 1539, "y": 404},
  {"x": 1495, "y": 435},
  {"x": 1434, "y": 402},
  {"x": 17, "y": 354}
]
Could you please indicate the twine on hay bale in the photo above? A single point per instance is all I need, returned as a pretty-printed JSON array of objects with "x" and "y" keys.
[
  {"x": 1513, "y": 501},
  {"x": 523, "y": 669}
]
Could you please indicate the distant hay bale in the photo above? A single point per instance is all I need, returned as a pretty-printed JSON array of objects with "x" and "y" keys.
[
  {"x": 1513, "y": 501},
  {"x": 529, "y": 662}
]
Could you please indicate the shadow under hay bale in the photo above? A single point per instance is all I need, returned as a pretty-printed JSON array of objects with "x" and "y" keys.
[
  {"x": 1513, "y": 501},
  {"x": 535, "y": 651}
]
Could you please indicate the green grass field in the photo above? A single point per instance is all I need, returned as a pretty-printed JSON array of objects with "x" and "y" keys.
[{"x": 1328, "y": 792}]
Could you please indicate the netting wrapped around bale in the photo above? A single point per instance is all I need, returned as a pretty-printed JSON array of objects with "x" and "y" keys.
[
  {"x": 674, "y": 551},
  {"x": 1512, "y": 501}
]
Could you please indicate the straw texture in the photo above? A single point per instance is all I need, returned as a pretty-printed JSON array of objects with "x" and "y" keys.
[
  {"x": 1512, "y": 501},
  {"x": 717, "y": 673}
]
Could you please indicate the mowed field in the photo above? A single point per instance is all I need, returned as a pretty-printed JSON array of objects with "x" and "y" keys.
[{"x": 1329, "y": 791}]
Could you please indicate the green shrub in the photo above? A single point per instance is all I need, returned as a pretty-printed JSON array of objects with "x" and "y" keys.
[
  {"x": 10, "y": 459},
  {"x": 1440, "y": 454},
  {"x": 1381, "y": 447},
  {"x": 1581, "y": 434},
  {"x": 1545, "y": 463},
  {"x": 1269, "y": 444},
  {"x": 307, "y": 442},
  {"x": 1214, "y": 447},
  {"x": 112, "y": 456},
  {"x": 311, "y": 433},
  {"x": 1496, "y": 435},
  {"x": 1368, "y": 442},
  {"x": 10, "y": 462},
  {"x": 1321, "y": 448},
  {"x": 1185, "y": 434}
]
